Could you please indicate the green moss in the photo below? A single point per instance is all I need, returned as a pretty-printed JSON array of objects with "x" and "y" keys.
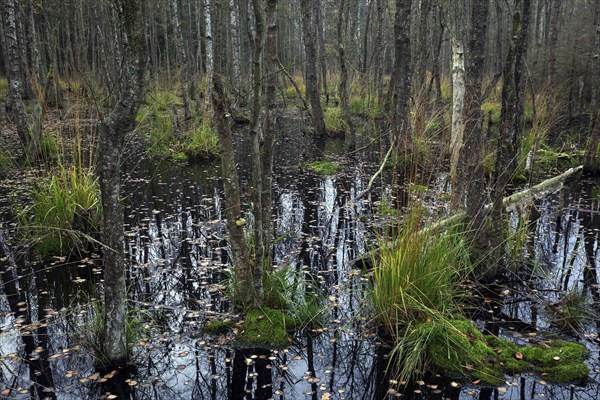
[
  {"x": 180, "y": 157},
  {"x": 323, "y": 167},
  {"x": 217, "y": 327},
  {"x": 266, "y": 327},
  {"x": 461, "y": 350}
]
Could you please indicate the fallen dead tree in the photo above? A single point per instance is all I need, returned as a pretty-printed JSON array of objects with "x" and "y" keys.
[{"x": 511, "y": 203}]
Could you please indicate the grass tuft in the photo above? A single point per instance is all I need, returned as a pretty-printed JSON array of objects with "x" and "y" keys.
[{"x": 65, "y": 211}]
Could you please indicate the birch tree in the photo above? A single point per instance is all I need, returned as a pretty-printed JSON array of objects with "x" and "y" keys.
[{"x": 28, "y": 137}]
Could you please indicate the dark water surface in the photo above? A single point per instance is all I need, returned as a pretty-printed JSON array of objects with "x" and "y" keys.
[{"x": 178, "y": 266}]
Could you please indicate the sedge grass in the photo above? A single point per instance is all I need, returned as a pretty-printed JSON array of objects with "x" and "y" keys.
[
  {"x": 63, "y": 206},
  {"x": 416, "y": 282}
]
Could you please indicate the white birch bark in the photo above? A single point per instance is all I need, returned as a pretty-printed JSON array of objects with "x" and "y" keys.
[
  {"x": 458, "y": 99},
  {"x": 235, "y": 43}
]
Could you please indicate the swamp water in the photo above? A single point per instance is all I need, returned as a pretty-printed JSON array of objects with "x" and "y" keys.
[{"x": 174, "y": 233}]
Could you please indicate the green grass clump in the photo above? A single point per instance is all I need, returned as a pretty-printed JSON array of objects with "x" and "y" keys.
[
  {"x": 367, "y": 106},
  {"x": 417, "y": 275},
  {"x": 416, "y": 288},
  {"x": 63, "y": 207},
  {"x": 202, "y": 142},
  {"x": 291, "y": 291},
  {"x": 50, "y": 145},
  {"x": 266, "y": 327},
  {"x": 334, "y": 120},
  {"x": 323, "y": 167}
]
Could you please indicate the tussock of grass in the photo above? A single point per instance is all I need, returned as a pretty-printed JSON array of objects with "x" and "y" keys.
[
  {"x": 334, "y": 120},
  {"x": 416, "y": 286},
  {"x": 63, "y": 206}
]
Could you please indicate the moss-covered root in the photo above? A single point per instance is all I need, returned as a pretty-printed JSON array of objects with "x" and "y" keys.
[{"x": 266, "y": 327}]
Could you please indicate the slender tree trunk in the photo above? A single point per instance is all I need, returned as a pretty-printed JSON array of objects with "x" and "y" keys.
[
  {"x": 458, "y": 100},
  {"x": 313, "y": 92},
  {"x": 243, "y": 270},
  {"x": 555, "y": 8},
  {"x": 114, "y": 129},
  {"x": 592, "y": 155},
  {"x": 378, "y": 52},
  {"x": 209, "y": 62},
  {"x": 235, "y": 43},
  {"x": 256, "y": 129},
  {"x": 400, "y": 79},
  {"x": 421, "y": 63},
  {"x": 269, "y": 127},
  {"x": 511, "y": 124},
  {"x": 470, "y": 190},
  {"x": 344, "y": 98},
  {"x": 322, "y": 51},
  {"x": 183, "y": 60},
  {"x": 15, "y": 102}
]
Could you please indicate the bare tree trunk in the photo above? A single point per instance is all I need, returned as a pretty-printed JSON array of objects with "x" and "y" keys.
[
  {"x": 344, "y": 98},
  {"x": 309, "y": 28},
  {"x": 15, "y": 103},
  {"x": 114, "y": 129},
  {"x": 511, "y": 125},
  {"x": 183, "y": 61},
  {"x": 269, "y": 127},
  {"x": 256, "y": 129},
  {"x": 209, "y": 62},
  {"x": 513, "y": 98},
  {"x": 555, "y": 8},
  {"x": 245, "y": 294},
  {"x": 378, "y": 52},
  {"x": 422, "y": 51},
  {"x": 458, "y": 100},
  {"x": 592, "y": 155},
  {"x": 470, "y": 187},
  {"x": 235, "y": 43},
  {"x": 322, "y": 51},
  {"x": 400, "y": 79}
]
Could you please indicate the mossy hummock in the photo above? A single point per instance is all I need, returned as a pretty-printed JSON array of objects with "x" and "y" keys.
[
  {"x": 266, "y": 327},
  {"x": 459, "y": 349}
]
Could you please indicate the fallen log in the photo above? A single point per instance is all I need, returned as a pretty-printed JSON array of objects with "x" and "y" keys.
[{"x": 511, "y": 203}]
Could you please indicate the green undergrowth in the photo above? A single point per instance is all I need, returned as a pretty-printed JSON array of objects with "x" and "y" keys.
[
  {"x": 334, "y": 120},
  {"x": 168, "y": 136},
  {"x": 266, "y": 327},
  {"x": 291, "y": 303},
  {"x": 459, "y": 349},
  {"x": 63, "y": 214},
  {"x": 323, "y": 167}
]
